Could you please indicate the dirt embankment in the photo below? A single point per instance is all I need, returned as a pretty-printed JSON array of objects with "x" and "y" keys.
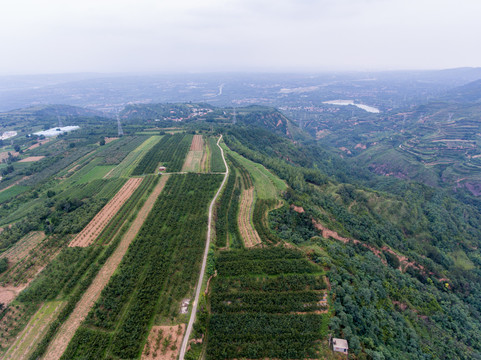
[
  {"x": 65, "y": 334},
  {"x": 404, "y": 262},
  {"x": 249, "y": 234},
  {"x": 88, "y": 235}
]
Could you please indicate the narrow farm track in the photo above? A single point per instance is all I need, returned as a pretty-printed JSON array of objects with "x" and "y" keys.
[
  {"x": 59, "y": 344},
  {"x": 88, "y": 235},
  {"x": 247, "y": 231},
  {"x": 188, "y": 331}
]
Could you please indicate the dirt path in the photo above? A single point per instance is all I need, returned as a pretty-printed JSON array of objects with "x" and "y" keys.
[
  {"x": 88, "y": 235},
  {"x": 59, "y": 344},
  {"x": 249, "y": 234},
  {"x": 185, "y": 341}
]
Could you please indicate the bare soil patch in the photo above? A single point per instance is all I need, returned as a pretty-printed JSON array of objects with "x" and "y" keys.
[
  {"x": 249, "y": 234},
  {"x": 8, "y": 293},
  {"x": 32, "y": 159},
  {"x": 88, "y": 235},
  {"x": 163, "y": 342},
  {"x": 59, "y": 344},
  {"x": 39, "y": 143},
  {"x": 110, "y": 139}
]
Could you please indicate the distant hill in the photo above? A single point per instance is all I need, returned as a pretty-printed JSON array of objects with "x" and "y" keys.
[{"x": 469, "y": 93}]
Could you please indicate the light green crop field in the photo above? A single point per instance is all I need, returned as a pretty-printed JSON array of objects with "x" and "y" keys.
[
  {"x": 268, "y": 185},
  {"x": 98, "y": 172},
  {"x": 13, "y": 191},
  {"x": 124, "y": 169}
]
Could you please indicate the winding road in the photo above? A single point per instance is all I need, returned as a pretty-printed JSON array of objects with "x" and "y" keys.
[{"x": 188, "y": 331}]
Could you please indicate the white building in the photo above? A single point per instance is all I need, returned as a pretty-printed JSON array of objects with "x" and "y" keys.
[{"x": 340, "y": 345}]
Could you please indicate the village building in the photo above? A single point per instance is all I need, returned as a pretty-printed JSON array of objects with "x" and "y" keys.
[{"x": 340, "y": 345}]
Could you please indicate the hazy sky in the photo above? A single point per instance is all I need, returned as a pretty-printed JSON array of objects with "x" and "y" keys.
[{"x": 56, "y": 36}]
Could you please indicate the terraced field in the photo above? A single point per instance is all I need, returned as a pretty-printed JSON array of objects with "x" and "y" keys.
[{"x": 266, "y": 303}]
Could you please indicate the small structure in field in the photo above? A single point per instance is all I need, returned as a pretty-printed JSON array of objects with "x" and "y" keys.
[
  {"x": 162, "y": 168},
  {"x": 340, "y": 345},
  {"x": 184, "y": 306}
]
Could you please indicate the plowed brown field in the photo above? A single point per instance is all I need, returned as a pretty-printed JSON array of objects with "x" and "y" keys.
[
  {"x": 249, "y": 234},
  {"x": 193, "y": 160},
  {"x": 197, "y": 143},
  {"x": 88, "y": 235}
]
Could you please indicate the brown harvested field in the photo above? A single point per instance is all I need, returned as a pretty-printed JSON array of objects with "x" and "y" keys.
[
  {"x": 68, "y": 328},
  {"x": 197, "y": 143},
  {"x": 32, "y": 159},
  {"x": 205, "y": 162},
  {"x": 249, "y": 234},
  {"x": 110, "y": 139},
  {"x": 163, "y": 342},
  {"x": 39, "y": 143},
  {"x": 88, "y": 235},
  {"x": 22, "y": 248},
  {"x": 194, "y": 157}
]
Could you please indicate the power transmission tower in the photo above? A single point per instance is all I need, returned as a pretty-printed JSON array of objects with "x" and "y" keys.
[
  {"x": 119, "y": 127},
  {"x": 60, "y": 124}
]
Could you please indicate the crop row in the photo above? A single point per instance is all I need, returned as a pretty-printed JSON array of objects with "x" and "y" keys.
[
  {"x": 267, "y": 302},
  {"x": 152, "y": 274},
  {"x": 291, "y": 282},
  {"x": 260, "y": 220},
  {"x": 216, "y": 164},
  {"x": 270, "y": 253},
  {"x": 258, "y": 335},
  {"x": 226, "y": 215}
]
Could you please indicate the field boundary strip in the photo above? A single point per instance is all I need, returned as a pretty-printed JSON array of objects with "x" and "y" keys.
[
  {"x": 59, "y": 344},
  {"x": 88, "y": 235}
]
